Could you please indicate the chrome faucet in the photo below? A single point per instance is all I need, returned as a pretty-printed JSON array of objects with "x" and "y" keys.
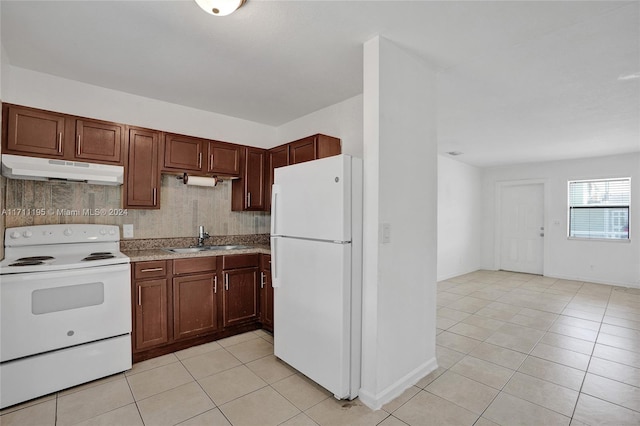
[{"x": 201, "y": 236}]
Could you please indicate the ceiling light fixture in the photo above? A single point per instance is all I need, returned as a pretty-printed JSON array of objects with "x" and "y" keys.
[{"x": 220, "y": 7}]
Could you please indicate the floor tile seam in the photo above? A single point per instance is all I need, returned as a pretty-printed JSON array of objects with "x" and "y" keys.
[
  {"x": 589, "y": 362},
  {"x": 548, "y": 381},
  {"x": 291, "y": 402},
  {"x": 608, "y": 402},
  {"x": 391, "y": 415},
  {"x": 613, "y": 380},
  {"x": 54, "y": 395},
  {"x": 236, "y": 398},
  {"x": 547, "y": 408},
  {"x": 239, "y": 343},
  {"x": 622, "y": 337},
  {"x": 492, "y": 387},
  {"x": 460, "y": 406},
  {"x": 152, "y": 368},
  {"x": 55, "y": 417}
]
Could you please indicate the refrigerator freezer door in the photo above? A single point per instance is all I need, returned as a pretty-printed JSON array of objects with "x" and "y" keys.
[
  {"x": 312, "y": 310},
  {"x": 313, "y": 200}
]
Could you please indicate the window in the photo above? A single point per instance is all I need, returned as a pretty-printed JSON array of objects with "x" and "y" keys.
[{"x": 599, "y": 209}]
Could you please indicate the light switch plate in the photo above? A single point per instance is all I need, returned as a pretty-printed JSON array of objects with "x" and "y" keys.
[{"x": 127, "y": 230}]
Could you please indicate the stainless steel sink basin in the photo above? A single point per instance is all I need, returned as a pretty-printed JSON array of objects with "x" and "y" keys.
[{"x": 205, "y": 248}]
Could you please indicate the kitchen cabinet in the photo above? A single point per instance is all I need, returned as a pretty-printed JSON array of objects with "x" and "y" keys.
[
  {"x": 305, "y": 149},
  {"x": 223, "y": 158},
  {"x": 99, "y": 141},
  {"x": 240, "y": 300},
  {"x": 39, "y": 133},
  {"x": 195, "y": 297},
  {"x": 266, "y": 293},
  {"x": 182, "y": 153},
  {"x": 248, "y": 192},
  {"x": 312, "y": 148},
  {"x": 276, "y": 157},
  {"x": 150, "y": 304},
  {"x": 33, "y": 132},
  {"x": 201, "y": 156},
  {"x": 142, "y": 185}
]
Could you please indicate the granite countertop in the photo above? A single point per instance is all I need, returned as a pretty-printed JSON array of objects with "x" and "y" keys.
[
  {"x": 155, "y": 248},
  {"x": 162, "y": 254}
]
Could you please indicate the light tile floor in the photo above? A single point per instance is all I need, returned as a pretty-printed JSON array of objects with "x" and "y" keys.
[{"x": 512, "y": 349}]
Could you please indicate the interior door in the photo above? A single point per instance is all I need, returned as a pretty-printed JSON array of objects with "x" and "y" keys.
[{"x": 522, "y": 228}]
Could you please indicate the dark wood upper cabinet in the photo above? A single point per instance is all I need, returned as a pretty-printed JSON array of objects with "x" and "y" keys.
[
  {"x": 142, "y": 186},
  {"x": 99, "y": 141},
  {"x": 248, "y": 192},
  {"x": 276, "y": 157},
  {"x": 223, "y": 158},
  {"x": 182, "y": 153},
  {"x": 33, "y": 132},
  {"x": 312, "y": 148}
]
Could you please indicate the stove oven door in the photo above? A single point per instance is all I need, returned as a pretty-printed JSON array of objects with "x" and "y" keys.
[{"x": 45, "y": 311}]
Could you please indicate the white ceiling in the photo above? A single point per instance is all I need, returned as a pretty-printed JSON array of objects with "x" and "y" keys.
[{"x": 518, "y": 81}]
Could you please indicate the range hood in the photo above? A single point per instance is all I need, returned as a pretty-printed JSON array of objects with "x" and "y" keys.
[{"x": 32, "y": 168}]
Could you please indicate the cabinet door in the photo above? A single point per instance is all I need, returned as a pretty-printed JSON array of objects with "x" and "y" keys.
[
  {"x": 195, "y": 308},
  {"x": 240, "y": 302},
  {"x": 266, "y": 300},
  {"x": 31, "y": 131},
  {"x": 254, "y": 179},
  {"x": 302, "y": 150},
  {"x": 99, "y": 141},
  {"x": 276, "y": 157},
  {"x": 143, "y": 174},
  {"x": 150, "y": 313},
  {"x": 223, "y": 158},
  {"x": 182, "y": 153}
]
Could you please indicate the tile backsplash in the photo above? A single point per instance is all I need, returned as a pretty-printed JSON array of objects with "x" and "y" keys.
[{"x": 183, "y": 208}]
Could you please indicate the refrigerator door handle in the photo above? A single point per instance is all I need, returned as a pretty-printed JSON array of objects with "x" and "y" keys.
[
  {"x": 275, "y": 189},
  {"x": 275, "y": 282}
]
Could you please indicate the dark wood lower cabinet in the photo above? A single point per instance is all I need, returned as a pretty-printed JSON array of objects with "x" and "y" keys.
[
  {"x": 266, "y": 293},
  {"x": 150, "y": 306},
  {"x": 195, "y": 305},
  {"x": 240, "y": 296},
  {"x": 185, "y": 302}
]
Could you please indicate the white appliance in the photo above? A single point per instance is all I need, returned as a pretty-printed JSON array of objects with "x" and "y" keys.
[
  {"x": 65, "y": 309},
  {"x": 34, "y": 168},
  {"x": 316, "y": 249}
]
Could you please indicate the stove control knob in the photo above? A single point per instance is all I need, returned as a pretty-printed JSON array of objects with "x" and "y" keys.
[
  {"x": 112, "y": 232},
  {"x": 103, "y": 231},
  {"x": 15, "y": 235},
  {"x": 27, "y": 234},
  {"x": 68, "y": 232}
]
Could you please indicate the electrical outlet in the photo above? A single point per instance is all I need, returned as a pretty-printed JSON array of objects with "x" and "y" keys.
[{"x": 127, "y": 230}]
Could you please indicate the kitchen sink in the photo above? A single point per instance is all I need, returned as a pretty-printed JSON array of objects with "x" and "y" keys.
[{"x": 198, "y": 249}]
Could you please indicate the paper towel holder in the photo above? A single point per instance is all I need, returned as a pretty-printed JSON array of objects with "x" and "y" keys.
[{"x": 211, "y": 180}]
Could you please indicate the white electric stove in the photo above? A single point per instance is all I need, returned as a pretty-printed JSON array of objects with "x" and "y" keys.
[{"x": 65, "y": 309}]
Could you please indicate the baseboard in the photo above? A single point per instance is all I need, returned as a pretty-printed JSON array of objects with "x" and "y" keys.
[
  {"x": 456, "y": 274},
  {"x": 595, "y": 281},
  {"x": 376, "y": 401}
]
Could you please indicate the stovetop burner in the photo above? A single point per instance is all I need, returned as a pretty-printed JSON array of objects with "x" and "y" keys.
[
  {"x": 27, "y": 263},
  {"x": 95, "y": 256},
  {"x": 33, "y": 258}
]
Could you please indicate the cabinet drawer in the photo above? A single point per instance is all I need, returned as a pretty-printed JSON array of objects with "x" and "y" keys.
[
  {"x": 266, "y": 262},
  {"x": 150, "y": 269},
  {"x": 241, "y": 261},
  {"x": 196, "y": 264}
]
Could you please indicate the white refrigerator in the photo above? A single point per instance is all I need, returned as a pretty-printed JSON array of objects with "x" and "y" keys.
[{"x": 316, "y": 249}]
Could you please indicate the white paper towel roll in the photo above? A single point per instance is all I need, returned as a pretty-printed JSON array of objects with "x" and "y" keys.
[{"x": 202, "y": 181}]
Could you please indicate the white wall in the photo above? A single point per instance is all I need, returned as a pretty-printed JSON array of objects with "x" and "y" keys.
[
  {"x": 459, "y": 218},
  {"x": 342, "y": 120},
  {"x": 38, "y": 90},
  {"x": 610, "y": 262},
  {"x": 400, "y": 179}
]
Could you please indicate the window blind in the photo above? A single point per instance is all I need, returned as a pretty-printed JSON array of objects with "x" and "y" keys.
[{"x": 599, "y": 209}]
